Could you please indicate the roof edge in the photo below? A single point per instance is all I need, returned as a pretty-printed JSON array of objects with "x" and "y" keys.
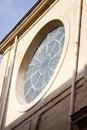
[{"x": 28, "y": 16}]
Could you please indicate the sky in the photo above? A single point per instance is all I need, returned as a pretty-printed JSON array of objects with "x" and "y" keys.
[{"x": 11, "y": 11}]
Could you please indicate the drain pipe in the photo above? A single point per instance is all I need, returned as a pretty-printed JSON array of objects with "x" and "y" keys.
[
  {"x": 77, "y": 43},
  {"x": 7, "y": 85}
]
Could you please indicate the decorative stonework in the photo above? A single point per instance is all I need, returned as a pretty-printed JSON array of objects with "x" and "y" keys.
[{"x": 43, "y": 63}]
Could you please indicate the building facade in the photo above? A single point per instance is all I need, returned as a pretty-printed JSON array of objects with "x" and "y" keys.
[{"x": 43, "y": 79}]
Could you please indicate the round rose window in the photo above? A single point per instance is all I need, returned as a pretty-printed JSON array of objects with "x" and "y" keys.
[{"x": 43, "y": 64}]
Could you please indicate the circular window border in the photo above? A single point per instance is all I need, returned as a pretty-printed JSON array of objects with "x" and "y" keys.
[{"x": 41, "y": 34}]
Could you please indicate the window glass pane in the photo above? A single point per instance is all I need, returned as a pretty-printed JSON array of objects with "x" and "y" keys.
[{"x": 43, "y": 63}]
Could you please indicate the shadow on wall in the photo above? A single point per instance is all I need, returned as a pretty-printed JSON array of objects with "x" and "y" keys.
[{"x": 52, "y": 112}]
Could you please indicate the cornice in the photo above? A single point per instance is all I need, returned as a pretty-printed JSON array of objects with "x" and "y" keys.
[
  {"x": 30, "y": 16},
  {"x": 79, "y": 116}
]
